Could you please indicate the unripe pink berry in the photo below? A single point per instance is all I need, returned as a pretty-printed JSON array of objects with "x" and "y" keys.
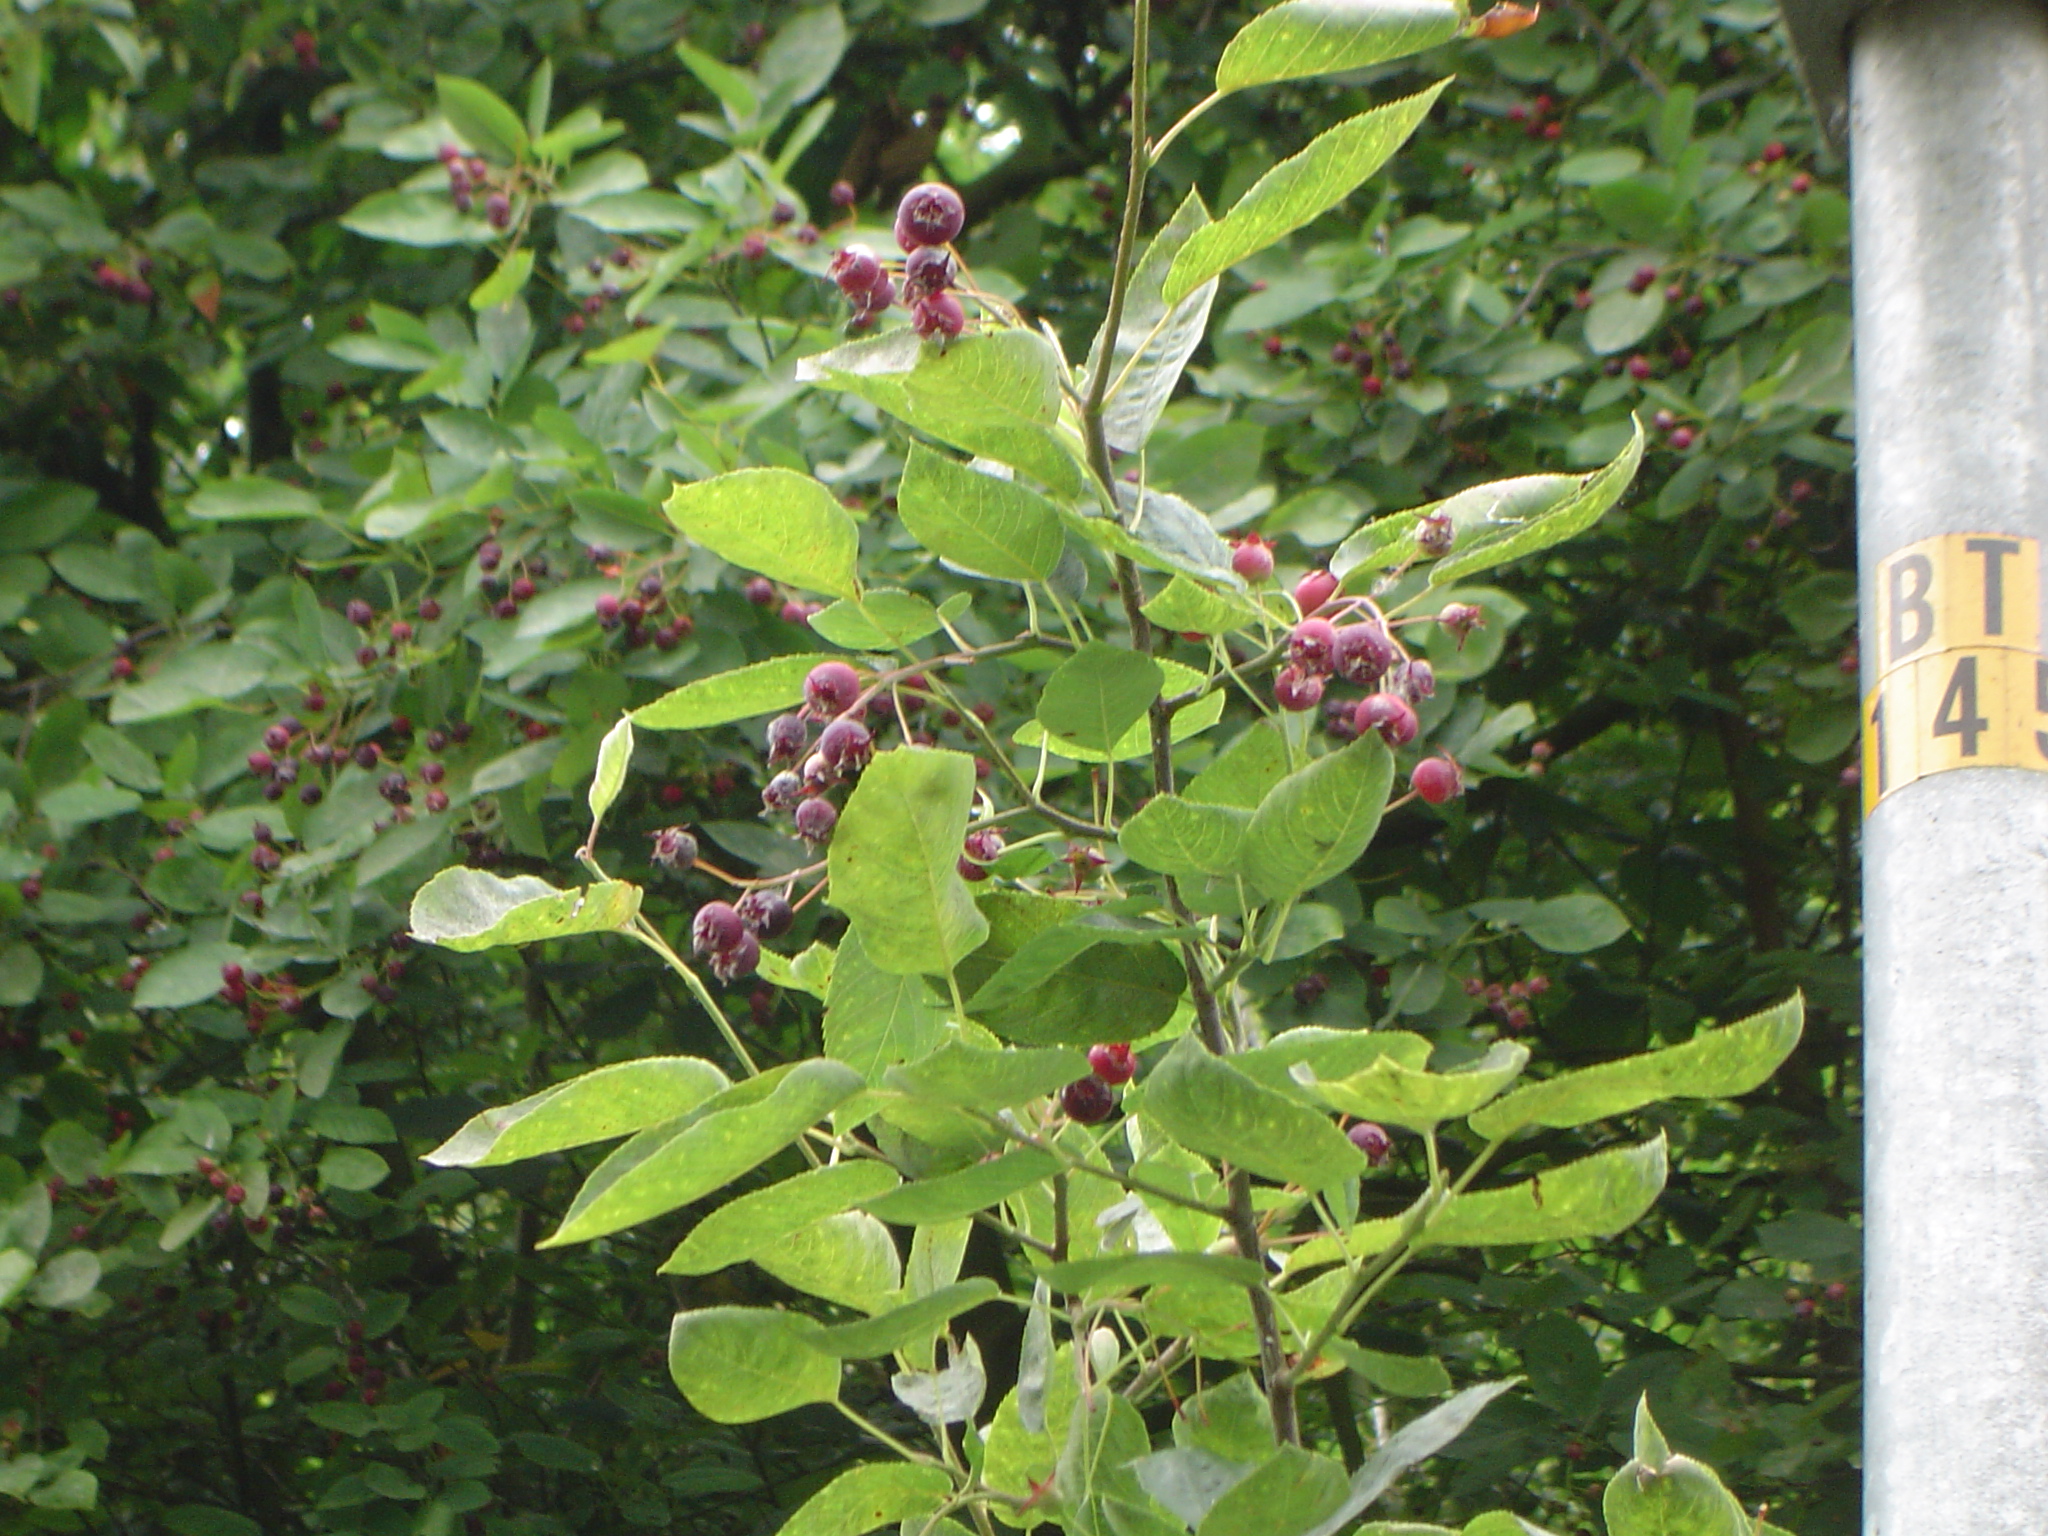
[
  {"x": 1314, "y": 590},
  {"x": 1373, "y": 1141},
  {"x": 1252, "y": 558},
  {"x": 1114, "y": 1064},
  {"x": 1437, "y": 780}
]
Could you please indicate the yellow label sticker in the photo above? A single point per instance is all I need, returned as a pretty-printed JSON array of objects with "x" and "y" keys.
[
  {"x": 1957, "y": 590},
  {"x": 1972, "y": 707}
]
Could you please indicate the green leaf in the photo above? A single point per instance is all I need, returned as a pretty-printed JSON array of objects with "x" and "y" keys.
[
  {"x": 425, "y": 219},
  {"x": 894, "y": 857},
  {"x": 755, "y": 1222},
  {"x": 1328, "y": 37},
  {"x": 121, "y": 760},
  {"x": 1395, "y": 1375},
  {"x": 848, "y": 1259},
  {"x": 1315, "y": 823},
  {"x": 186, "y": 976},
  {"x": 1136, "y": 742},
  {"x": 1288, "y": 1494},
  {"x": 1396, "y": 1094},
  {"x": 996, "y": 394},
  {"x": 1573, "y": 925},
  {"x": 905, "y": 1327},
  {"x": 1133, "y": 1272},
  {"x": 1181, "y": 837},
  {"x": 353, "y": 1168},
  {"x": 1503, "y": 521},
  {"x": 978, "y": 521},
  {"x": 976, "y": 1187},
  {"x": 741, "y": 694},
  {"x": 1714, "y": 1064},
  {"x": 1405, "y": 1447},
  {"x": 1661, "y": 1494},
  {"x": 612, "y": 1101},
  {"x": 614, "y": 756},
  {"x": 738, "y": 1365},
  {"x": 1098, "y": 693},
  {"x": 734, "y": 88},
  {"x": 685, "y": 1159},
  {"x": 207, "y": 1520},
  {"x": 1298, "y": 190},
  {"x": 1187, "y": 607},
  {"x": 1244, "y": 772},
  {"x": 880, "y": 619},
  {"x": 1137, "y": 403},
  {"x": 867, "y": 1498},
  {"x": 480, "y": 119},
  {"x": 635, "y": 346},
  {"x": 1617, "y": 321},
  {"x": 252, "y": 498},
  {"x": 785, "y": 525},
  {"x": 1326, "y": 1053},
  {"x": 1208, "y": 1106},
  {"x": 1053, "y": 974},
  {"x": 21, "y": 975},
  {"x": 467, "y": 909},
  {"x": 505, "y": 284},
  {"x": 974, "y": 1077},
  {"x": 875, "y": 1019}
]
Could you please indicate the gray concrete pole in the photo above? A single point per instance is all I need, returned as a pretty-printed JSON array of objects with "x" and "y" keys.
[{"x": 1949, "y": 158}]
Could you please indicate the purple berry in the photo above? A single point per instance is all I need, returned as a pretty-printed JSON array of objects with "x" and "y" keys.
[
  {"x": 767, "y": 913},
  {"x": 938, "y": 318},
  {"x": 742, "y": 958},
  {"x": 716, "y": 927},
  {"x": 1088, "y": 1101},
  {"x": 787, "y": 738},
  {"x": 674, "y": 848},
  {"x": 1417, "y": 681},
  {"x": 930, "y": 270},
  {"x": 843, "y": 194},
  {"x": 846, "y": 746},
  {"x": 359, "y": 612},
  {"x": 856, "y": 269},
  {"x": 607, "y": 609},
  {"x": 930, "y": 213},
  {"x": 1314, "y": 590},
  {"x": 1373, "y": 1141},
  {"x": 1313, "y": 646},
  {"x": 1296, "y": 690},
  {"x": 1364, "y": 653},
  {"x": 1460, "y": 619},
  {"x": 1389, "y": 714},
  {"x": 782, "y": 792},
  {"x": 815, "y": 820},
  {"x": 760, "y": 591},
  {"x": 831, "y": 688}
]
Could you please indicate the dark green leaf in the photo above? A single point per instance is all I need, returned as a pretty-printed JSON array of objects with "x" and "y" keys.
[{"x": 1315, "y": 823}]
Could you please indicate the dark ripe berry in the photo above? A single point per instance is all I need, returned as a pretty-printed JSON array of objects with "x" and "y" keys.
[
  {"x": 742, "y": 959},
  {"x": 716, "y": 927},
  {"x": 1435, "y": 534},
  {"x": 760, "y": 591},
  {"x": 1682, "y": 439},
  {"x": 846, "y": 746},
  {"x": 286, "y": 772},
  {"x": 498, "y": 210},
  {"x": 984, "y": 844},
  {"x": 815, "y": 820},
  {"x": 782, "y": 791},
  {"x": 260, "y": 831},
  {"x": 938, "y": 318},
  {"x": 437, "y": 741},
  {"x": 367, "y": 755},
  {"x": 843, "y": 194},
  {"x": 360, "y": 612},
  {"x": 1373, "y": 1141},
  {"x": 1416, "y": 681},
  {"x": 575, "y": 324},
  {"x": 315, "y": 702},
  {"x": 1308, "y": 991},
  {"x": 1296, "y": 690},
  {"x": 1252, "y": 558},
  {"x": 1639, "y": 367},
  {"x": 459, "y": 731},
  {"x": 1088, "y": 1101},
  {"x": 631, "y": 613},
  {"x": 122, "y": 667},
  {"x": 674, "y": 848},
  {"x": 430, "y": 610},
  {"x": 1312, "y": 648},
  {"x": 265, "y": 858},
  {"x": 856, "y": 269},
  {"x": 930, "y": 270},
  {"x": 1389, "y": 714},
  {"x": 831, "y": 688},
  {"x": 649, "y": 586},
  {"x": 755, "y": 246},
  {"x": 505, "y": 608},
  {"x": 670, "y": 794},
  {"x": 522, "y": 588},
  {"x": 1460, "y": 619},
  {"x": 1437, "y": 780},
  {"x": 433, "y": 773},
  {"x": 261, "y": 763},
  {"x": 607, "y": 610},
  {"x": 1773, "y": 152},
  {"x": 1342, "y": 355},
  {"x": 393, "y": 788},
  {"x": 230, "y": 973},
  {"x": 1644, "y": 279},
  {"x": 319, "y": 754},
  {"x": 1314, "y": 590},
  {"x": 1114, "y": 1064},
  {"x": 366, "y": 656},
  {"x": 437, "y": 801},
  {"x": 1364, "y": 653},
  {"x": 784, "y": 212},
  {"x": 401, "y": 631},
  {"x": 234, "y": 1194},
  {"x": 767, "y": 913},
  {"x": 488, "y": 555},
  {"x": 311, "y": 794},
  {"x": 930, "y": 213},
  {"x": 787, "y": 738},
  {"x": 1681, "y": 356},
  {"x": 1337, "y": 720},
  {"x": 291, "y": 725}
]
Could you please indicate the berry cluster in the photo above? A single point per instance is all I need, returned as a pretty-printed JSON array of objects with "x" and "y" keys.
[
  {"x": 832, "y": 693},
  {"x": 132, "y": 286},
  {"x": 928, "y": 220},
  {"x": 467, "y": 176},
  {"x": 729, "y": 934},
  {"x": 1371, "y": 353},
  {"x": 1088, "y": 1100},
  {"x": 1509, "y": 1003},
  {"x": 629, "y": 614}
]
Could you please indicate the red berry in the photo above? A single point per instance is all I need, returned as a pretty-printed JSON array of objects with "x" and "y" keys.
[
  {"x": 1252, "y": 558},
  {"x": 1437, "y": 780},
  {"x": 938, "y": 318},
  {"x": 607, "y": 609},
  {"x": 1682, "y": 439},
  {"x": 1373, "y": 1141},
  {"x": 1314, "y": 590},
  {"x": 262, "y": 763},
  {"x": 1773, "y": 152},
  {"x": 1639, "y": 367},
  {"x": 1274, "y": 346},
  {"x": 122, "y": 667},
  {"x": 1114, "y": 1064},
  {"x": 1296, "y": 690},
  {"x": 1389, "y": 714},
  {"x": 522, "y": 588},
  {"x": 1371, "y": 385},
  {"x": 1088, "y": 1101},
  {"x": 831, "y": 688}
]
